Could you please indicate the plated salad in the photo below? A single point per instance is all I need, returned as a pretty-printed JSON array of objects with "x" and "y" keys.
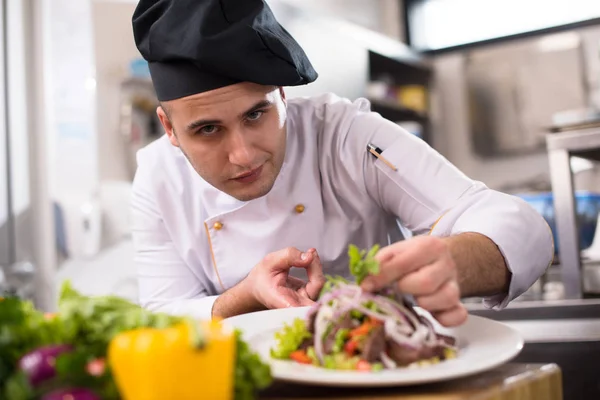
[{"x": 349, "y": 329}]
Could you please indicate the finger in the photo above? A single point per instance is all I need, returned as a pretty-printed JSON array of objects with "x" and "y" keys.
[
  {"x": 447, "y": 297},
  {"x": 300, "y": 287},
  {"x": 428, "y": 279},
  {"x": 453, "y": 317},
  {"x": 316, "y": 278},
  {"x": 399, "y": 259},
  {"x": 402, "y": 246},
  {"x": 284, "y": 259}
]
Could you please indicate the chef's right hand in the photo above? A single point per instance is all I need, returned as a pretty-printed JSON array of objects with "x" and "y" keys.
[
  {"x": 273, "y": 287},
  {"x": 269, "y": 284}
]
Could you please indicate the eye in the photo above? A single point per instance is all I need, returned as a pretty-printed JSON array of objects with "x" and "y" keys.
[
  {"x": 254, "y": 115},
  {"x": 208, "y": 130}
]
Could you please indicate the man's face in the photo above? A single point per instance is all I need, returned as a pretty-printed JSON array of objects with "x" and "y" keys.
[{"x": 234, "y": 137}]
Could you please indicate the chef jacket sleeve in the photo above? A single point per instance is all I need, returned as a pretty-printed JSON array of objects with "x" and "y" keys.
[
  {"x": 428, "y": 194},
  {"x": 166, "y": 283}
]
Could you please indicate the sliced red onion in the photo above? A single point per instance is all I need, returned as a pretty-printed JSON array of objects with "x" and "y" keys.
[
  {"x": 391, "y": 332},
  {"x": 387, "y": 361},
  {"x": 323, "y": 317}
]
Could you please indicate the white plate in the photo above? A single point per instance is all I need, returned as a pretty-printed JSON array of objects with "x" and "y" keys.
[{"x": 483, "y": 344}]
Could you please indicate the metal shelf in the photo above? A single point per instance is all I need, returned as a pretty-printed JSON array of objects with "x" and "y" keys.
[{"x": 561, "y": 147}]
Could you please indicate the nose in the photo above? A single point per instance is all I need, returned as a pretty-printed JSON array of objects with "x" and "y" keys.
[{"x": 241, "y": 150}]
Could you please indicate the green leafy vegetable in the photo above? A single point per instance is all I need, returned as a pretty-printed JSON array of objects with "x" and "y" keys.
[
  {"x": 17, "y": 388},
  {"x": 331, "y": 282},
  {"x": 22, "y": 329},
  {"x": 92, "y": 322},
  {"x": 371, "y": 306},
  {"x": 89, "y": 324},
  {"x": 290, "y": 338},
  {"x": 356, "y": 315},
  {"x": 251, "y": 374},
  {"x": 340, "y": 337},
  {"x": 377, "y": 367},
  {"x": 363, "y": 263},
  {"x": 310, "y": 352},
  {"x": 340, "y": 361}
]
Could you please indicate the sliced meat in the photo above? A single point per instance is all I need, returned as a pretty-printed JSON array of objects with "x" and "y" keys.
[
  {"x": 310, "y": 322},
  {"x": 449, "y": 340},
  {"x": 345, "y": 322},
  {"x": 374, "y": 344},
  {"x": 403, "y": 355},
  {"x": 430, "y": 352},
  {"x": 306, "y": 344}
]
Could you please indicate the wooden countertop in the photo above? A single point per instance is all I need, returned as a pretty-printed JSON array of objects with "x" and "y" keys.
[{"x": 507, "y": 382}]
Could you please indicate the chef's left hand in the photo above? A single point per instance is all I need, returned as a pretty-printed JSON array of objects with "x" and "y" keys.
[{"x": 422, "y": 267}]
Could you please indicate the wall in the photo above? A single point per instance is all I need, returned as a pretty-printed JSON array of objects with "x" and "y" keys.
[
  {"x": 383, "y": 16},
  {"x": 452, "y": 133},
  {"x": 114, "y": 48},
  {"x": 4, "y": 238}
]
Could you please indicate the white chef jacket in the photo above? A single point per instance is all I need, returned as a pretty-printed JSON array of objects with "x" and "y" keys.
[{"x": 192, "y": 241}]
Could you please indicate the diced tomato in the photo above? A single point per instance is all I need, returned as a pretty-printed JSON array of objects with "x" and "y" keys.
[
  {"x": 363, "y": 365},
  {"x": 96, "y": 367},
  {"x": 301, "y": 357},
  {"x": 350, "y": 347}
]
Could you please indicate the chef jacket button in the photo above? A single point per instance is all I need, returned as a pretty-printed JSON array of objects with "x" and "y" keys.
[
  {"x": 217, "y": 225},
  {"x": 299, "y": 208}
]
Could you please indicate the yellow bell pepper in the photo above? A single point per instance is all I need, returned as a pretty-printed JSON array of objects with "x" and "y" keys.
[{"x": 161, "y": 364}]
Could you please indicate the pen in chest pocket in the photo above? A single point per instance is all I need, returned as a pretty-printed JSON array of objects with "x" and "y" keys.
[{"x": 376, "y": 151}]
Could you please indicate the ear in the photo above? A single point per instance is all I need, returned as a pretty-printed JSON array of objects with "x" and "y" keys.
[
  {"x": 282, "y": 93},
  {"x": 166, "y": 123}
]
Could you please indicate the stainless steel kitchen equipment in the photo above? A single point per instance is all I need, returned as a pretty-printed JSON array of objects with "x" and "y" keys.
[
  {"x": 565, "y": 332},
  {"x": 581, "y": 140}
]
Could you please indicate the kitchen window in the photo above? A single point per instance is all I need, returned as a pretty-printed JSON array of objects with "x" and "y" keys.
[{"x": 434, "y": 25}]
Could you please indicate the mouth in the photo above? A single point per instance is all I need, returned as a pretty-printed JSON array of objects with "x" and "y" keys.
[{"x": 249, "y": 176}]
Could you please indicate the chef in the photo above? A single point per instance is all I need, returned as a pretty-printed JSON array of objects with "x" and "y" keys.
[{"x": 250, "y": 197}]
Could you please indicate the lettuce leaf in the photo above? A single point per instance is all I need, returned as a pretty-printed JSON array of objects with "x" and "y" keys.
[
  {"x": 22, "y": 329},
  {"x": 92, "y": 322},
  {"x": 251, "y": 374},
  {"x": 289, "y": 338}
]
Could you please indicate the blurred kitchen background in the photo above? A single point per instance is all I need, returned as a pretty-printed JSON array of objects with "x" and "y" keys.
[{"x": 508, "y": 90}]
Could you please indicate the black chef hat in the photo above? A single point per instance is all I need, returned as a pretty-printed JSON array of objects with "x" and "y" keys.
[{"x": 193, "y": 46}]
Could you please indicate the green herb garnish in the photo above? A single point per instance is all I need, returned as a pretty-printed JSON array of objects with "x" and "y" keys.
[{"x": 363, "y": 263}]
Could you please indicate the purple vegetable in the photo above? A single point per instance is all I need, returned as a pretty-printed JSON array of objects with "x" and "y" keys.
[
  {"x": 39, "y": 364},
  {"x": 71, "y": 394}
]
